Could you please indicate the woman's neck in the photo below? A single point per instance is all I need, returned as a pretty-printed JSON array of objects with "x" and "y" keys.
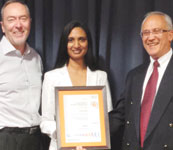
[
  {"x": 77, "y": 72},
  {"x": 76, "y": 65}
]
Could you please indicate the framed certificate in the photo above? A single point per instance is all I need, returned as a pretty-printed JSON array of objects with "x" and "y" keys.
[{"x": 82, "y": 117}]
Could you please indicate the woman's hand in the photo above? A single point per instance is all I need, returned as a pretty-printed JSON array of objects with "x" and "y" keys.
[{"x": 80, "y": 148}]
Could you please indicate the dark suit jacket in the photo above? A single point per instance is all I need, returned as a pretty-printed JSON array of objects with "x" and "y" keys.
[{"x": 159, "y": 135}]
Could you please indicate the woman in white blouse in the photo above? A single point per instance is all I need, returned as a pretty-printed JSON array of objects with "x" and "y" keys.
[{"x": 75, "y": 66}]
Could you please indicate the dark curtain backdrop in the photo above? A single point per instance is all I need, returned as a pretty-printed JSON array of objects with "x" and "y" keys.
[{"x": 114, "y": 25}]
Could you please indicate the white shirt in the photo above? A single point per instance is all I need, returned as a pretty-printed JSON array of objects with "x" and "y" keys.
[
  {"x": 20, "y": 86},
  {"x": 163, "y": 63},
  {"x": 60, "y": 77}
]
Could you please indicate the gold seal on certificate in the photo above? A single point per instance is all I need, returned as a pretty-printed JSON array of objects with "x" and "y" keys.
[{"x": 82, "y": 118}]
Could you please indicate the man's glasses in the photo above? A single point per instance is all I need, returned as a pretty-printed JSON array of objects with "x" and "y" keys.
[{"x": 155, "y": 32}]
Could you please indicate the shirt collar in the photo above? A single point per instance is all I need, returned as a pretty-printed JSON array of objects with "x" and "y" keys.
[
  {"x": 163, "y": 59},
  {"x": 27, "y": 50},
  {"x": 7, "y": 47}
]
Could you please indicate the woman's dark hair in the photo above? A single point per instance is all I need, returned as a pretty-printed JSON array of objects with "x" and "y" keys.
[{"x": 63, "y": 56}]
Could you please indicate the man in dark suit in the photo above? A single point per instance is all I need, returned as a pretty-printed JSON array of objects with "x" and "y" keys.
[{"x": 145, "y": 109}]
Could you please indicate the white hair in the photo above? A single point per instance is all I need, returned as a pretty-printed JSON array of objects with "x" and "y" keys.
[{"x": 166, "y": 17}]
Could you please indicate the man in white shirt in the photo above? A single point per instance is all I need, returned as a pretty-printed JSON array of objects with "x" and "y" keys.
[
  {"x": 20, "y": 81},
  {"x": 146, "y": 106}
]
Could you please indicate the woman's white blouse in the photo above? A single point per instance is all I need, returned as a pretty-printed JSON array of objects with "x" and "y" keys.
[{"x": 60, "y": 77}]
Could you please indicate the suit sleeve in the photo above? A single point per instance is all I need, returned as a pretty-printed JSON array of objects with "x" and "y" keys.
[
  {"x": 48, "y": 124},
  {"x": 117, "y": 115}
]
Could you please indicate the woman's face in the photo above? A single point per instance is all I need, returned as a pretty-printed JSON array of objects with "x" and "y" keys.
[{"x": 77, "y": 45}]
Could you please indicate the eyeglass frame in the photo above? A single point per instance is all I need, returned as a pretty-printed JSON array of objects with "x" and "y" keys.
[{"x": 160, "y": 31}]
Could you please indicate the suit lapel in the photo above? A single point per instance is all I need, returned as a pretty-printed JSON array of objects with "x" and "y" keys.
[
  {"x": 91, "y": 78},
  {"x": 162, "y": 99},
  {"x": 137, "y": 94},
  {"x": 66, "y": 76}
]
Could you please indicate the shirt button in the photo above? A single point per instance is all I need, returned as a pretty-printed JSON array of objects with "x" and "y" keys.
[
  {"x": 165, "y": 146},
  {"x": 131, "y": 103}
]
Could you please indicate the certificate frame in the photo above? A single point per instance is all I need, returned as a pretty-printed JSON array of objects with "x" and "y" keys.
[{"x": 61, "y": 94}]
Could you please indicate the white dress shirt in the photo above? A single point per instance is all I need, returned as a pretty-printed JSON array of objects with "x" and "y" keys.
[
  {"x": 60, "y": 77},
  {"x": 163, "y": 63},
  {"x": 20, "y": 86}
]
